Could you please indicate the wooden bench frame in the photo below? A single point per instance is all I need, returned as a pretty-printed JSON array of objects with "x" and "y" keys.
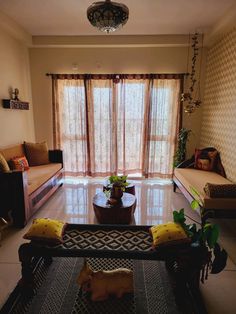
[
  {"x": 187, "y": 277},
  {"x": 16, "y": 206}
]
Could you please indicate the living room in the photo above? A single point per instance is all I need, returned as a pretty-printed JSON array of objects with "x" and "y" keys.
[{"x": 56, "y": 38}]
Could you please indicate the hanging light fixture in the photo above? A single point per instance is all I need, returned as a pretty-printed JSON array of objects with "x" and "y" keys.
[
  {"x": 192, "y": 96},
  {"x": 108, "y": 16}
]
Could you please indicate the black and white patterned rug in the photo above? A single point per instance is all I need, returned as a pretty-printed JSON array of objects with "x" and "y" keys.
[{"x": 57, "y": 290}]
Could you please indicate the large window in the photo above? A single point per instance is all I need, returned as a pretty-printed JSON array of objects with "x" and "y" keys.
[{"x": 126, "y": 126}]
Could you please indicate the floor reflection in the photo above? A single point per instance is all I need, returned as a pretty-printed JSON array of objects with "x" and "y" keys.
[{"x": 153, "y": 200}]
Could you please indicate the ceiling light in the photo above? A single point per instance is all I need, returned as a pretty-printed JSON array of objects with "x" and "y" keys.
[{"x": 108, "y": 16}]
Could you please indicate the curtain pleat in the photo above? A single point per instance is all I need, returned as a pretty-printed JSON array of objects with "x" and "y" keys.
[{"x": 56, "y": 115}]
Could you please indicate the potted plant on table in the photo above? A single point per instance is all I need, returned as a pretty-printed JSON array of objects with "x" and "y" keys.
[{"x": 116, "y": 186}]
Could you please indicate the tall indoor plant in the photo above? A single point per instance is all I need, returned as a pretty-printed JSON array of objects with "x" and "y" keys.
[{"x": 180, "y": 153}]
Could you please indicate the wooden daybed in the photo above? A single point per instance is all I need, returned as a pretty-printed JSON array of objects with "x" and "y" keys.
[
  {"x": 22, "y": 193},
  {"x": 186, "y": 178}
]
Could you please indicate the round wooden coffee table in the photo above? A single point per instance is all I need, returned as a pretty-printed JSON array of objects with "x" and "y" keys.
[{"x": 120, "y": 213}]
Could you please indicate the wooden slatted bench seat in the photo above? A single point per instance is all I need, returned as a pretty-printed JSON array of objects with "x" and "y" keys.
[
  {"x": 113, "y": 241},
  {"x": 184, "y": 262}
]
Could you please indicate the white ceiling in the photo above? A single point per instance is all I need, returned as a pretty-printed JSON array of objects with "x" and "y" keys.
[{"x": 147, "y": 17}]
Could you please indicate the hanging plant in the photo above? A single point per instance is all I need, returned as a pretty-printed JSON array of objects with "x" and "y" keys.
[{"x": 192, "y": 99}]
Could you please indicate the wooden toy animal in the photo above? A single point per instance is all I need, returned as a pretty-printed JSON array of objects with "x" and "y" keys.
[{"x": 103, "y": 283}]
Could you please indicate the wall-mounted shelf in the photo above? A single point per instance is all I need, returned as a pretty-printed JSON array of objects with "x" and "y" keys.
[{"x": 15, "y": 104}]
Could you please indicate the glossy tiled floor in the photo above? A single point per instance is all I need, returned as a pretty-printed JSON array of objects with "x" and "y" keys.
[{"x": 155, "y": 204}]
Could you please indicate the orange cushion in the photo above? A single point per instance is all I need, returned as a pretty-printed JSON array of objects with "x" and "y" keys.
[{"x": 19, "y": 163}]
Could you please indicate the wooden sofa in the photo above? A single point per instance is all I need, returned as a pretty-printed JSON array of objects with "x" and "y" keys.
[
  {"x": 186, "y": 178},
  {"x": 22, "y": 193}
]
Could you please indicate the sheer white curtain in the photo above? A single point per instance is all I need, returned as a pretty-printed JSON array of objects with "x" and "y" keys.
[
  {"x": 71, "y": 129},
  {"x": 101, "y": 119},
  {"x": 163, "y": 122},
  {"x": 132, "y": 108},
  {"x": 105, "y": 126}
]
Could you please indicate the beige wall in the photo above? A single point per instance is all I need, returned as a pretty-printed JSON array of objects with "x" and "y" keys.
[
  {"x": 99, "y": 60},
  {"x": 15, "y": 125},
  {"x": 219, "y": 110}
]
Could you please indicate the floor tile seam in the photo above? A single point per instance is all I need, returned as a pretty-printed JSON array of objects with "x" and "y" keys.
[
  {"x": 222, "y": 237},
  {"x": 231, "y": 257},
  {"x": 229, "y": 270},
  {"x": 10, "y": 263}
]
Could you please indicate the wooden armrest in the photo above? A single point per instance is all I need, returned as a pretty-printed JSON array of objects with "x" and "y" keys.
[
  {"x": 56, "y": 156},
  {"x": 11, "y": 175},
  {"x": 13, "y": 187}
]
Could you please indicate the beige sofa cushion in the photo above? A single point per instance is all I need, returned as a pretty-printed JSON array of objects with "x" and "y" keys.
[
  {"x": 38, "y": 175},
  {"x": 3, "y": 164},
  {"x": 36, "y": 153},
  {"x": 14, "y": 151},
  {"x": 198, "y": 179}
]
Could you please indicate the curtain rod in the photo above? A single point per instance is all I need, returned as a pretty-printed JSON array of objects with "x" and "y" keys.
[{"x": 113, "y": 74}]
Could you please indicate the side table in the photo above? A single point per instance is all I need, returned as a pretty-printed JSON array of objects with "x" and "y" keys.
[{"x": 120, "y": 213}]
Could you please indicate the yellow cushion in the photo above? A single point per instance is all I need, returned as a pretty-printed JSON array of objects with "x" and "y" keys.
[
  {"x": 45, "y": 229},
  {"x": 36, "y": 153},
  {"x": 3, "y": 164},
  {"x": 168, "y": 234}
]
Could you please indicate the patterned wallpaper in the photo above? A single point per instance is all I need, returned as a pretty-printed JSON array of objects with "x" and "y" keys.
[{"x": 219, "y": 108}]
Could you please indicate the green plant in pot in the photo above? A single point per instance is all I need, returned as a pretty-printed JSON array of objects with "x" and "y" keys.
[
  {"x": 117, "y": 186},
  {"x": 205, "y": 236}
]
